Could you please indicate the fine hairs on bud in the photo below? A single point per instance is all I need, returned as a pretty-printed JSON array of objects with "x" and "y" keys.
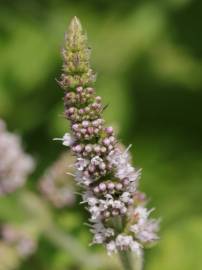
[{"x": 118, "y": 215}]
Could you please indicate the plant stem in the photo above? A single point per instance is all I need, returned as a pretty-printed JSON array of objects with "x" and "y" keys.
[{"x": 125, "y": 258}]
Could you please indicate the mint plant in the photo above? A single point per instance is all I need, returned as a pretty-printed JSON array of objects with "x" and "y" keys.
[{"x": 119, "y": 219}]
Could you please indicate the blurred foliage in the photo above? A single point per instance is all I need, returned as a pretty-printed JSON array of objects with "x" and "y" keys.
[{"x": 149, "y": 60}]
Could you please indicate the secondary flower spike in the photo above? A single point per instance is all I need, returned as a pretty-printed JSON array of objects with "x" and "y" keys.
[
  {"x": 118, "y": 216},
  {"x": 15, "y": 165}
]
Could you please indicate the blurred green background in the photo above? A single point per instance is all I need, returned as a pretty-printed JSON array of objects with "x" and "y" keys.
[{"x": 148, "y": 56}]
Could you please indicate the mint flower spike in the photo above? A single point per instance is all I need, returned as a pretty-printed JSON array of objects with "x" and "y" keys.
[
  {"x": 15, "y": 164},
  {"x": 118, "y": 216},
  {"x": 54, "y": 184}
]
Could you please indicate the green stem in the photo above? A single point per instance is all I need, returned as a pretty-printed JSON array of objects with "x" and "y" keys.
[{"x": 125, "y": 258}]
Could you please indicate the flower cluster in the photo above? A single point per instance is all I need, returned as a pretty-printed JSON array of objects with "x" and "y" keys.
[
  {"x": 54, "y": 183},
  {"x": 19, "y": 239},
  {"x": 15, "y": 165},
  {"x": 118, "y": 216}
]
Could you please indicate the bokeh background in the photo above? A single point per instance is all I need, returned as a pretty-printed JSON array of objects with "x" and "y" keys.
[{"x": 148, "y": 56}]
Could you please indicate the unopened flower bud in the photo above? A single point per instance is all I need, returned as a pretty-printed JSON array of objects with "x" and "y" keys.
[
  {"x": 106, "y": 141},
  {"x": 85, "y": 124},
  {"x": 109, "y": 130},
  {"x": 96, "y": 189},
  {"x": 79, "y": 89},
  {"x": 110, "y": 186},
  {"x": 102, "y": 186},
  {"x": 119, "y": 186},
  {"x": 88, "y": 148}
]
